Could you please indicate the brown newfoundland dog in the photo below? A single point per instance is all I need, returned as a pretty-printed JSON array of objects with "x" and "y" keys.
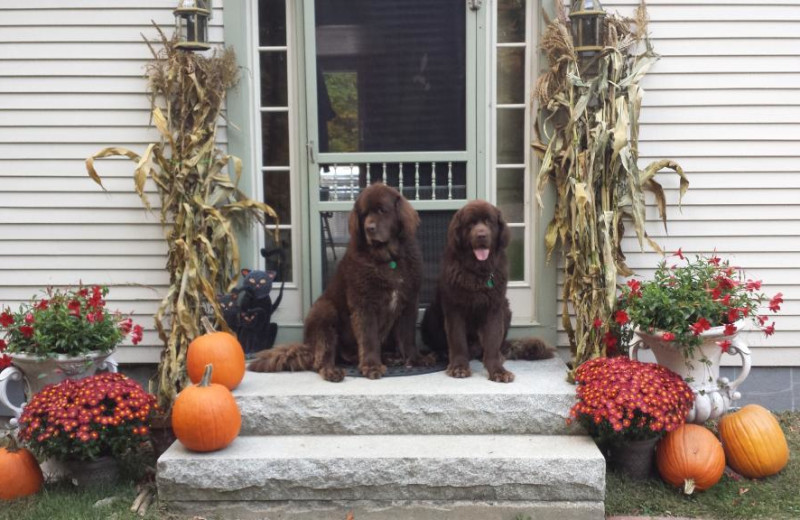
[
  {"x": 371, "y": 299},
  {"x": 470, "y": 315}
]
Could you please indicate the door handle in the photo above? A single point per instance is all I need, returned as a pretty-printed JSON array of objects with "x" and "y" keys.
[{"x": 310, "y": 151}]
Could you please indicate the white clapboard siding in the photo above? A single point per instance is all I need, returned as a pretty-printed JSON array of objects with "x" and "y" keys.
[
  {"x": 71, "y": 83},
  {"x": 724, "y": 102}
]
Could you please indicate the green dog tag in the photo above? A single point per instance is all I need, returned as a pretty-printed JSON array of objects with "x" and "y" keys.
[{"x": 393, "y": 265}]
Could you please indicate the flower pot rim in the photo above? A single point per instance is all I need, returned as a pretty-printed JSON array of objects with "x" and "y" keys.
[
  {"x": 92, "y": 354},
  {"x": 718, "y": 331}
]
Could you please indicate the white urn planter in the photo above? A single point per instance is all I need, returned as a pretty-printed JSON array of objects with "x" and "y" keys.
[
  {"x": 713, "y": 394},
  {"x": 36, "y": 372}
]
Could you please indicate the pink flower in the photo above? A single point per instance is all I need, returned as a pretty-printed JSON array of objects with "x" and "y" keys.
[
  {"x": 597, "y": 323},
  {"x": 3, "y": 345},
  {"x": 753, "y": 285},
  {"x": 610, "y": 340},
  {"x": 714, "y": 260},
  {"x": 5, "y": 361},
  {"x": 126, "y": 325},
  {"x": 679, "y": 253},
  {"x": 769, "y": 331},
  {"x": 42, "y": 305},
  {"x": 136, "y": 337},
  {"x": 730, "y": 329},
  {"x": 26, "y": 331},
  {"x": 700, "y": 326},
  {"x": 6, "y": 319},
  {"x": 74, "y": 307},
  {"x": 775, "y": 302},
  {"x": 29, "y": 318},
  {"x": 668, "y": 336},
  {"x": 621, "y": 317},
  {"x": 724, "y": 345}
]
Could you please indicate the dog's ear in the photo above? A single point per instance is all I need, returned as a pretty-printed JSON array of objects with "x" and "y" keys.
[
  {"x": 503, "y": 232},
  {"x": 354, "y": 224},
  {"x": 455, "y": 231},
  {"x": 407, "y": 216}
]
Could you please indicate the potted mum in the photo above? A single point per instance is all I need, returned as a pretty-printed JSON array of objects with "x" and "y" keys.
[
  {"x": 65, "y": 333},
  {"x": 690, "y": 314},
  {"x": 88, "y": 423},
  {"x": 627, "y": 405}
]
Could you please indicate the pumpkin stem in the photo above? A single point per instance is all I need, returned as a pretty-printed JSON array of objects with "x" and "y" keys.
[
  {"x": 688, "y": 486},
  {"x": 207, "y": 325},
  {"x": 13, "y": 445},
  {"x": 206, "y": 381}
]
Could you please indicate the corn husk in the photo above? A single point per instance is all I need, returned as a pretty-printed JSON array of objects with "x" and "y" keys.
[{"x": 587, "y": 133}]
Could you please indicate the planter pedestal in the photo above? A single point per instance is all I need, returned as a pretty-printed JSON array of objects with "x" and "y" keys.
[
  {"x": 36, "y": 372},
  {"x": 713, "y": 394}
]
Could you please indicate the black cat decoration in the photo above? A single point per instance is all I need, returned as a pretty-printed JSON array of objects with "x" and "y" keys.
[{"x": 248, "y": 308}]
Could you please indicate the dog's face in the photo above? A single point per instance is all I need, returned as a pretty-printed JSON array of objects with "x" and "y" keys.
[
  {"x": 478, "y": 229},
  {"x": 381, "y": 217}
]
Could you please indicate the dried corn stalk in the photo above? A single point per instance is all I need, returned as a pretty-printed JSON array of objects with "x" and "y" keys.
[
  {"x": 201, "y": 206},
  {"x": 587, "y": 138}
]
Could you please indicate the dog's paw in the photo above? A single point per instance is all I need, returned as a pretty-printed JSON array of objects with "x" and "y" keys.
[
  {"x": 459, "y": 371},
  {"x": 332, "y": 374},
  {"x": 502, "y": 376},
  {"x": 371, "y": 371}
]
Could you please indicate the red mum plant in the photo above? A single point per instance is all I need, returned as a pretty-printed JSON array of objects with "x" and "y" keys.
[
  {"x": 106, "y": 414},
  {"x": 66, "y": 321},
  {"x": 623, "y": 399},
  {"x": 683, "y": 301}
]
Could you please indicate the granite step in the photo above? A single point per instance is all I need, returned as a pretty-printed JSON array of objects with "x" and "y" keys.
[
  {"x": 394, "y": 510},
  {"x": 416, "y": 468},
  {"x": 302, "y": 403}
]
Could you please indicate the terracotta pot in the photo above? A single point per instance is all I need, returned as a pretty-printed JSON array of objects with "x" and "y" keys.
[{"x": 700, "y": 370}]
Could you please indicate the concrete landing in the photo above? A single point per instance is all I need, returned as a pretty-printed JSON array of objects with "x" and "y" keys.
[{"x": 302, "y": 403}]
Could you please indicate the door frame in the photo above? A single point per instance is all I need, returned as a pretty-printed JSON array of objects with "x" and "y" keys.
[{"x": 474, "y": 156}]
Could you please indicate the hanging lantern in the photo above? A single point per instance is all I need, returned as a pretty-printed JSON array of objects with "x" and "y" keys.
[
  {"x": 191, "y": 24},
  {"x": 587, "y": 19}
]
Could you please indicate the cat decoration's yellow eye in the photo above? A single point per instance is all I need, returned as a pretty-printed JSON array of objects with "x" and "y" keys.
[
  {"x": 251, "y": 280},
  {"x": 262, "y": 282}
]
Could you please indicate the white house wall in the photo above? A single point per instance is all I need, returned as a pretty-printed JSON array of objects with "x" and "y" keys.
[
  {"x": 724, "y": 102},
  {"x": 71, "y": 83}
]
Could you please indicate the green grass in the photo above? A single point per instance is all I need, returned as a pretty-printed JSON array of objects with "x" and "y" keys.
[
  {"x": 776, "y": 497},
  {"x": 64, "y": 502}
]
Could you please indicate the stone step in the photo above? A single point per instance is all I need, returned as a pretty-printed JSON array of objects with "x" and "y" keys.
[
  {"x": 302, "y": 403},
  {"x": 393, "y": 510},
  {"x": 527, "y": 468}
]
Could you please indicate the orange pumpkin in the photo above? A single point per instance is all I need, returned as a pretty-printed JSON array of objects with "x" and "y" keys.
[
  {"x": 690, "y": 457},
  {"x": 220, "y": 349},
  {"x": 205, "y": 417},
  {"x": 754, "y": 442},
  {"x": 20, "y": 474}
]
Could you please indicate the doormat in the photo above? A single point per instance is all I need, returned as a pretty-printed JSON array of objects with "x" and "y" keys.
[{"x": 399, "y": 370}]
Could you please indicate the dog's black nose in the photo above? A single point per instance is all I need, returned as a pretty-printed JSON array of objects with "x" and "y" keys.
[{"x": 370, "y": 227}]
